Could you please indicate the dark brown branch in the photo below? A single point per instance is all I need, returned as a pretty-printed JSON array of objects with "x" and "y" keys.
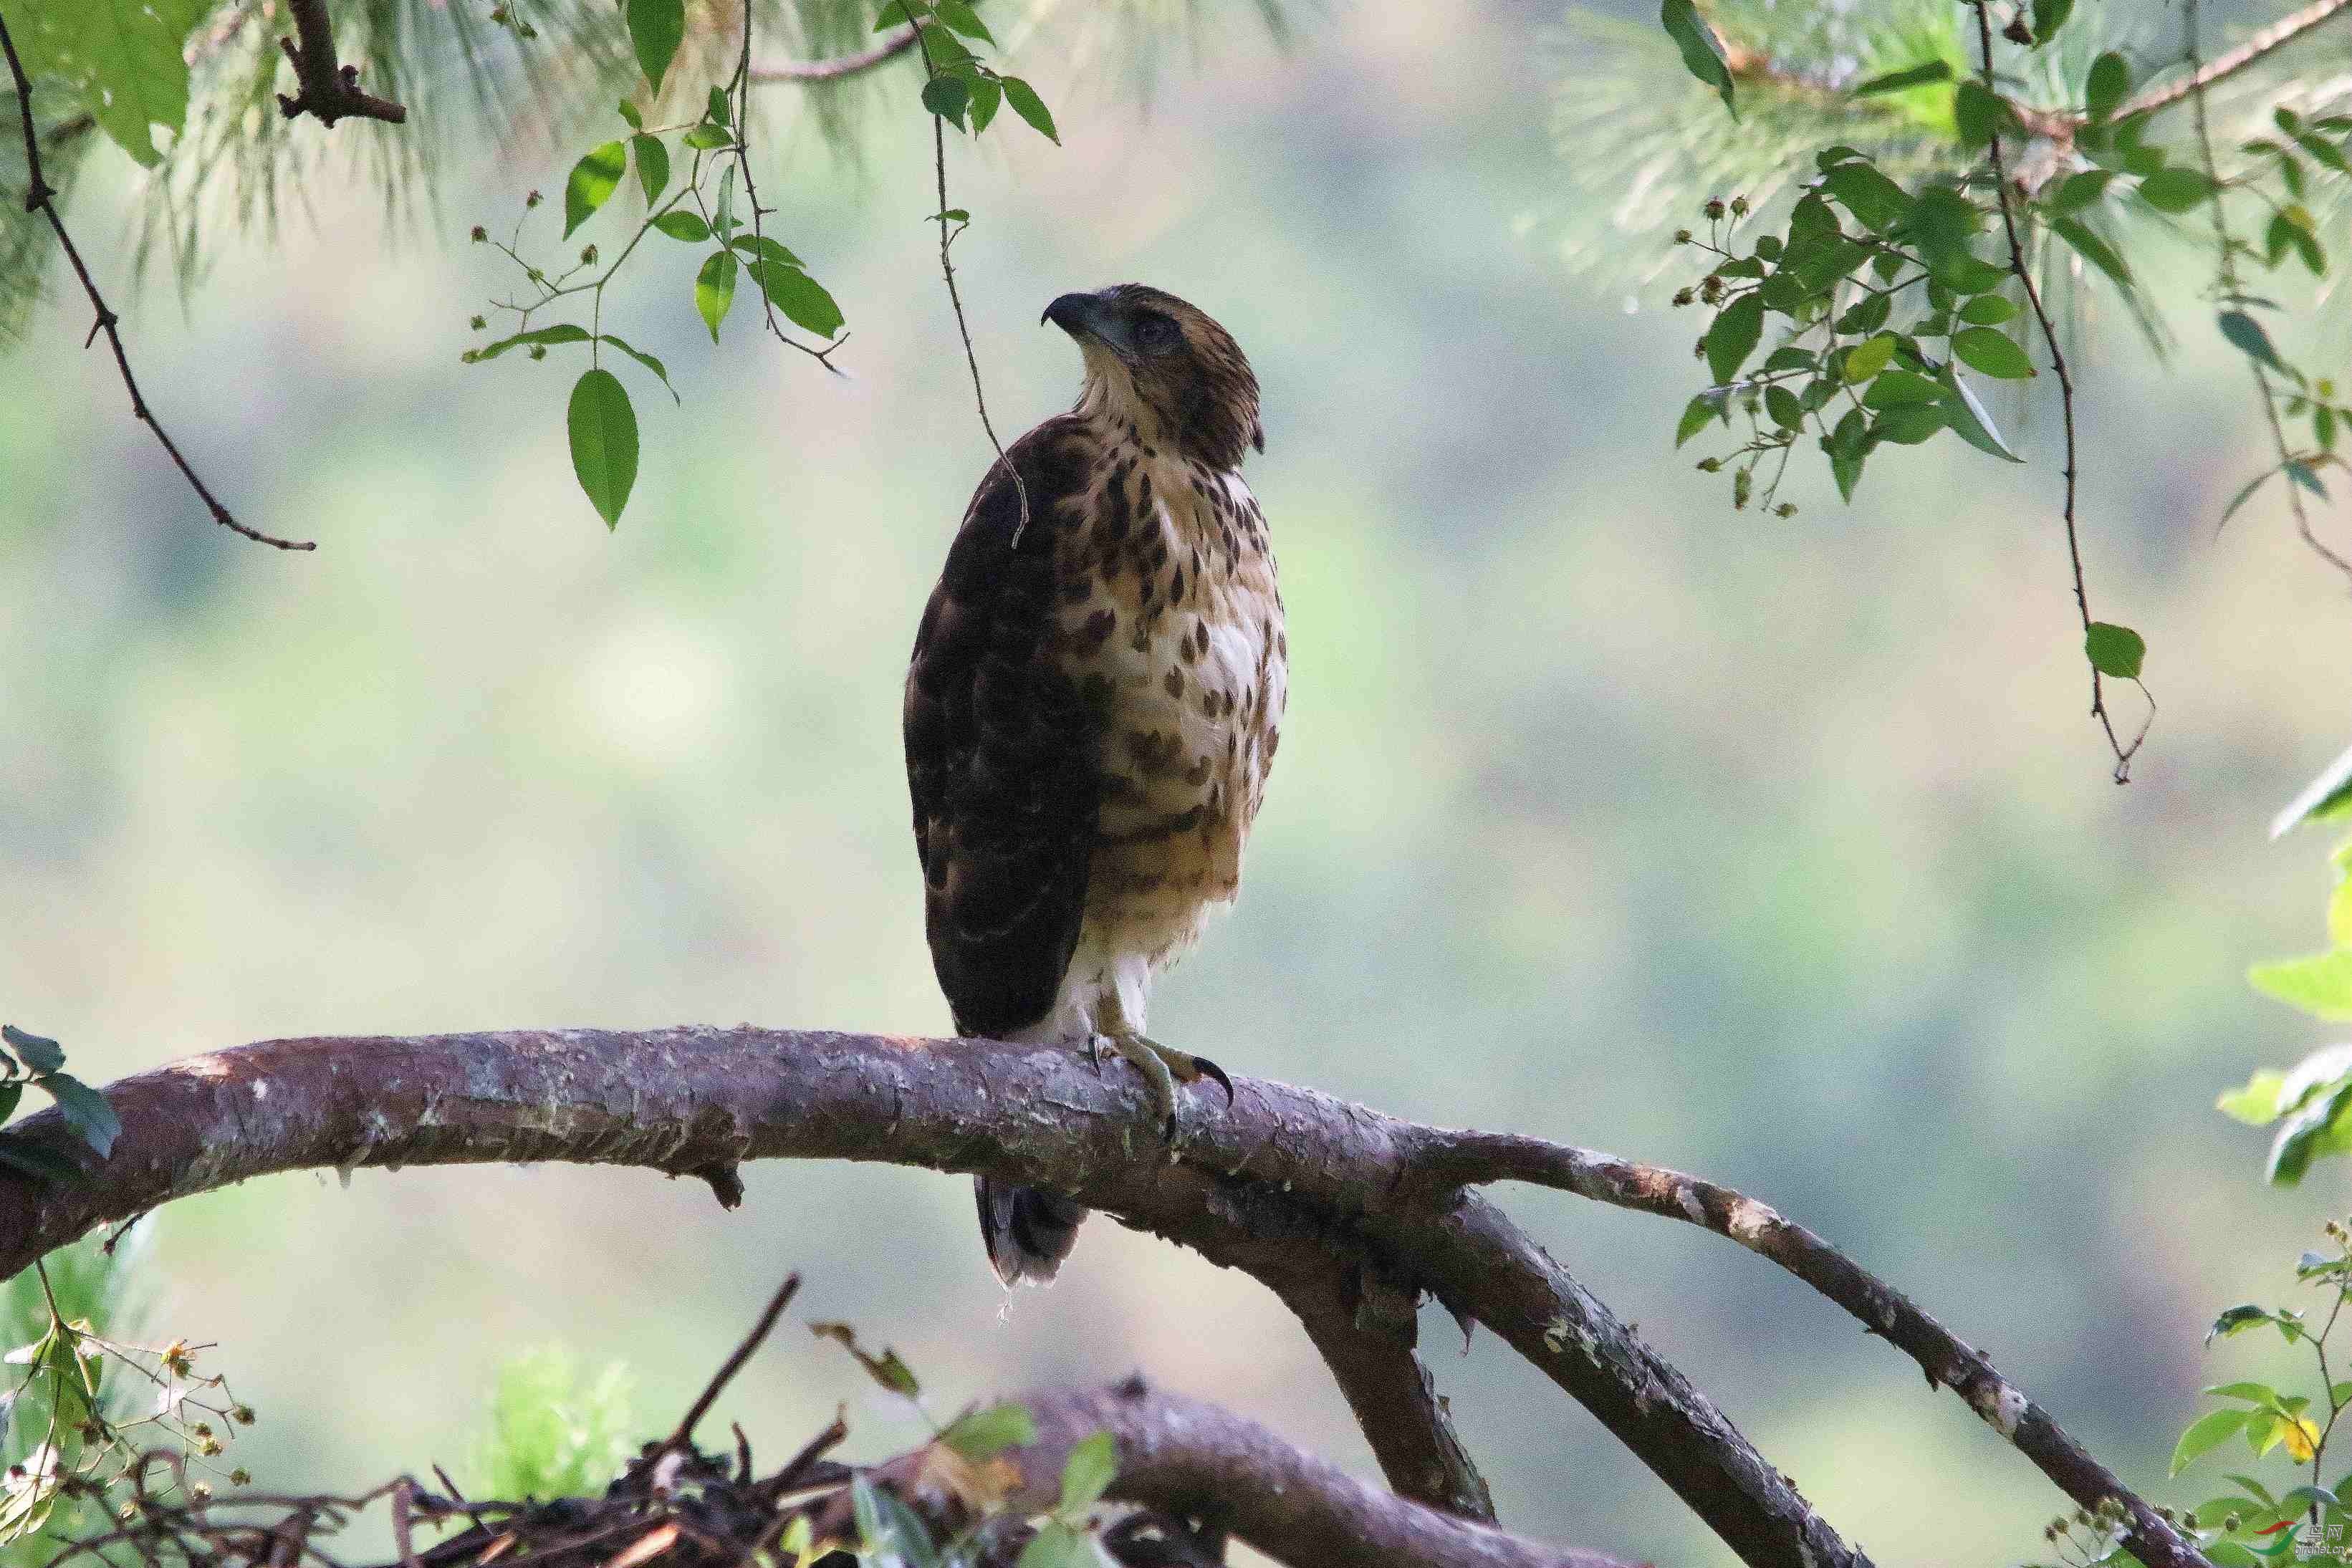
[
  {"x": 1190, "y": 1459},
  {"x": 684, "y": 1436},
  {"x": 39, "y": 196},
  {"x": 330, "y": 91},
  {"x": 1294, "y": 1187},
  {"x": 841, "y": 65}
]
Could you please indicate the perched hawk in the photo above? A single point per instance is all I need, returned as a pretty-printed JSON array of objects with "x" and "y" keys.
[{"x": 1094, "y": 703}]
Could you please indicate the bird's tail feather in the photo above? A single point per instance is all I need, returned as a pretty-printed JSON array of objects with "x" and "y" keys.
[{"x": 1028, "y": 1231}]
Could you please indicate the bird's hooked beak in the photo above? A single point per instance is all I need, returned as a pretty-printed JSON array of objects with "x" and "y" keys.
[{"x": 1088, "y": 317}]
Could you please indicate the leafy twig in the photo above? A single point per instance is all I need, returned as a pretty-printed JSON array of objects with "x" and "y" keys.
[
  {"x": 740, "y": 91},
  {"x": 39, "y": 196},
  {"x": 330, "y": 91},
  {"x": 2122, "y": 753},
  {"x": 2284, "y": 30},
  {"x": 955, "y": 299}
]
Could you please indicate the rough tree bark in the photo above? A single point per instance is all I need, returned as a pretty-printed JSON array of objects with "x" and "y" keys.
[{"x": 1344, "y": 1213}]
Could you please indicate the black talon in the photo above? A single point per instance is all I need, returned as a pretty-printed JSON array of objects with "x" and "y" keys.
[{"x": 1207, "y": 1069}]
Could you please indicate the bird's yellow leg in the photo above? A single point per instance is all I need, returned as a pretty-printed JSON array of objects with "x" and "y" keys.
[{"x": 1163, "y": 1068}]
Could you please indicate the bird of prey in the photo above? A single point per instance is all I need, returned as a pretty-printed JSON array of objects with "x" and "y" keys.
[{"x": 1095, "y": 696}]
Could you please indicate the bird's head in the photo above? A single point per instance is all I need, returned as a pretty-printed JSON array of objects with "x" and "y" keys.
[{"x": 1164, "y": 366}]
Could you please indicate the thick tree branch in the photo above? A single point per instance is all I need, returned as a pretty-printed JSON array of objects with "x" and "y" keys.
[
  {"x": 1187, "y": 1459},
  {"x": 1342, "y": 1211},
  {"x": 41, "y": 197},
  {"x": 841, "y": 65},
  {"x": 330, "y": 91}
]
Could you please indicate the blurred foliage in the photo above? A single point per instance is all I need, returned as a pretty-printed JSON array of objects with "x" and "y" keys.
[{"x": 554, "y": 1431}]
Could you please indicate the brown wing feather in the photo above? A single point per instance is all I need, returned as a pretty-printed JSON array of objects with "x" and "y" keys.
[{"x": 1000, "y": 750}]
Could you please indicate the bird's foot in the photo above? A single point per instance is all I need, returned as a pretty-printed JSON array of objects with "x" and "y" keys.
[{"x": 1163, "y": 1068}]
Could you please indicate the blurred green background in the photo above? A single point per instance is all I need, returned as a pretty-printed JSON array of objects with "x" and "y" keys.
[{"x": 1780, "y": 851}]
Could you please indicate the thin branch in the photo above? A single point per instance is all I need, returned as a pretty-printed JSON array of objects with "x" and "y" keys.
[
  {"x": 2122, "y": 753},
  {"x": 684, "y": 1437},
  {"x": 740, "y": 92},
  {"x": 40, "y": 196},
  {"x": 2225, "y": 272},
  {"x": 328, "y": 90},
  {"x": 1464, "y": 1158},
  {"x": 2229, "y": 63},
  {"x": 955, "y": 299},
  {"x": 1189, "y": 1459},
  {"x": 841, "y": 65},
  {"x": 1285, "y": 1182}
]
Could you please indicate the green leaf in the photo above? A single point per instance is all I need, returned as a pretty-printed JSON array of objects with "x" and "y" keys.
[
  {"x": 1093, "y": 1465},
  {"x": 763, "y": 247},
  {"x": 1910, "y": 76},
  {"x": 956, "y": 13},
  {"x": 714, "y": 289},
  {"x": 1968, "y": 419},
  {"x": 2325, "y": 797},
  {"x": 1869, "y": 195},
  {"x": 2302, "y": 474},
  {"x": 629, "y": 113},
  {"x": 603, "y": 429},
  {"x": 2321, "y": 1126},
  {"x": 10, "y": 1093},
  {"x": 894, "y": 15},
  {"x": 1701, "y": 55},
  {"x": 681, "y": 224},
  {"x": 987, "y": 94},
  {"x": 1988, "y": 311},
  {"x": 2320, "y": 984},
  {"x": 86, "y": 1111},
  {"x": 2247, "y": 336},
  {"x": 122, "y": 58},
  {"x": 1979, "y": 113},
  {"x": 1029, "y": 108},
  {"x": 2110, "y": 79},
  {"x": 2093, "y": 248},
  {"x": 2115, "y": 650},
  {"x": 1907, "y": 424},
  {"x": 1783, "y": 405},
  {"x": 709, "y": 137},
  {"x": 1056, "y": 1545},
  {"x": 2205, "y": 1434},
  {"x": 38, "y": 1051},
  {"x": 714, "y": 109},
  {"x": 1734, "y": 336},
  {"x": 648, "y": 360},
  {"x": 886, "y": 1369},
  {"x": 593, "y": 180},
  {"x": 2083, "y": 190},
  {"x": 982, "y": 1434},
  {"x": 653, "y": 166},
  {"x": 2049, "y": 16},
  {"x": 1708, "y": 405},
  {"x": 947, "y": 97},
  {"x": 537, "y": 337},
  {"x": 2256, "y": 1104},
  {"x": 656, "y": 26},
  {"x": 798, "y": 296},
  {"x": 40, "y": 1163},
  {"x": 2236, "y": 1321},
  {"x": 2260, "y": 1394},
  {"x": 2177, "y": 189},
  {"x": 1867, "y": 359},
  {"x": 1986, "y": 349},
  {"x": 1900, "y": 388}
]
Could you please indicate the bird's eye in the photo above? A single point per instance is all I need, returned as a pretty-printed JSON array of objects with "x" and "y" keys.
[{"x": 1155, "y": 333}]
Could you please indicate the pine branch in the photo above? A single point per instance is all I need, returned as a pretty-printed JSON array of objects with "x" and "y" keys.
[{"x": 840, "y": 66}]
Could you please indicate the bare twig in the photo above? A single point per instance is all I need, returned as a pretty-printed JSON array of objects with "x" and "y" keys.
[
  {"x": 2122, "y": 753},
  {"x": 39, "y": 196},
  {"x": 955, "y": 299},
  {"x": 1284, "y": 1183},
  {"x": 841, "y": 65},
  {"x": 684, "y": 1436},
  {"x": 2229, "y": 63},
  {"x": 328, "y": 90}
]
